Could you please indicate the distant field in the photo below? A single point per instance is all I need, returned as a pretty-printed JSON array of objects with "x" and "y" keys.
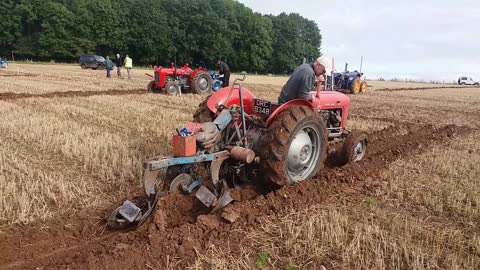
[{"x": 65, "y": 161}]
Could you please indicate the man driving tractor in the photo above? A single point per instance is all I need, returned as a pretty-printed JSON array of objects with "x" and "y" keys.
[{"x": 302, "y": 80}]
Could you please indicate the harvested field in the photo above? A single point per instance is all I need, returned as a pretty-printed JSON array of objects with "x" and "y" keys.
[{"x": 72, "y": 148}]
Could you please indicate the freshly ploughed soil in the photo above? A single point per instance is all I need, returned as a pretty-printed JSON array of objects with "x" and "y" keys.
[{"x": 181, "y": 225}]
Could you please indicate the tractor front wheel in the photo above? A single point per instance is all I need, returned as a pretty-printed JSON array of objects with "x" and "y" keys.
[
  {"x": 355, "y": 147},
  {"x": 295, "y": 146},
  {"x": 363, "y": 87},
  {"x": 172, "y": 88},
  {"x": 152, "y": 87},
  {"x": 202, "y": 83}
]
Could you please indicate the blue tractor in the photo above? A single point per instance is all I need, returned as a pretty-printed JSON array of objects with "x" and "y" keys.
[
  {"x": 350, "y": 82},
  {"x": 217, "y": 80},
  {"x": 3, "y": 63}
]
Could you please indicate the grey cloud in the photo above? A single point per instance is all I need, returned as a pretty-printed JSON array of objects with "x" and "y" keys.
[{"x": 420, "y": 39}]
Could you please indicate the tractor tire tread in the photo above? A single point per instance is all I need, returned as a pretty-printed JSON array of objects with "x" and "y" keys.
[
  {"x": 349, "y": 145},
  {"x": 195, "y": 78},
  {"x": 276, "y": 143},
  {"x": 203, "y": 113}
]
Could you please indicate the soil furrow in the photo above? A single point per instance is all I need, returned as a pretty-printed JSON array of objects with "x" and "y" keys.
[{"x": 178, "y": 228}]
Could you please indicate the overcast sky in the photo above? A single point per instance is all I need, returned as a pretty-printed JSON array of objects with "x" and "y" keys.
[{"x": 422, "y": 39}]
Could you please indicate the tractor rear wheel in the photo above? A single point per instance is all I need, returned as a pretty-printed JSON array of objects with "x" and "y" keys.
[
  {"x": 202, "y": 83},
  {"x": 172, "y": 88},
  {"x": 203, "y": 113},
  {"x": 295, "y": 146},
  {"x": 355, "y": 86},
  {"x": 363, "y": 87}
]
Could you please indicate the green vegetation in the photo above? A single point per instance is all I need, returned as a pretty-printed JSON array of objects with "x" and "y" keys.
[
  {"x": 158, "y": 32},
  {"x": 262, "y": 260}
]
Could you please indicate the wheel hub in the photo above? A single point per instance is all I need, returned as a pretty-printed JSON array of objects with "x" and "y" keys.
[
  {"x": 203, "y": 83},
  {"x": 302, "y": 154},
  {"x": 359, "y": 151},
  {"x": 172, "y": 89}
]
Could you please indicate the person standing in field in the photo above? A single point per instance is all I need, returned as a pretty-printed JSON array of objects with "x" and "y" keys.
[
  {"x": 118, "y": 64},
  {"x": 108, "y": 66},
  {"x": 224, "y": 70},
  {"x": 128, "y": 65}
]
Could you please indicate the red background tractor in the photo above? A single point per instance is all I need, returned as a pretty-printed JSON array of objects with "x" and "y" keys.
[{"x": 175, "y": 80}]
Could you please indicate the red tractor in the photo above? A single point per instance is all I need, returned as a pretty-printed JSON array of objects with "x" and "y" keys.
[
  {"x": 235, "y": 139},
  {"x": 173, "y": 81}
]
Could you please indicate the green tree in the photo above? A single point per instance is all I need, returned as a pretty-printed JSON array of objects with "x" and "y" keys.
[
  {"x": 9, "y": 30},
  {"x": 54, "y": 36},
  {"x": 288, "y": 43},
  {"x": 159, "y": 31}
]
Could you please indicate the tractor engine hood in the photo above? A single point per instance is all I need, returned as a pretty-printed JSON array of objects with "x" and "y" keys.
[
  {"x": 330, "y": 100},
  {"x": 221, "y": 96}
]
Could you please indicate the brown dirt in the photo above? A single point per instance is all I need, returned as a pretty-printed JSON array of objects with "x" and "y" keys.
[
  {"x": 180, "y": 227},
  {"x": 111, "y": 92}
]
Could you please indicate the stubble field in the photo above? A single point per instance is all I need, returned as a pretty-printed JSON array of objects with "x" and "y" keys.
[{"x": 73, "y": 141}]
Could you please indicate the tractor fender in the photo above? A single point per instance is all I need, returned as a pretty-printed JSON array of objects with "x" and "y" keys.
[
  {"x": 283, "y": 107},
  {"x": 194, "y": 72},
  {"x": 220, "y": 96}
]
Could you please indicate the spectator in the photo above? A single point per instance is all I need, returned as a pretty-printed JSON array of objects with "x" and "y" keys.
[
  {"x": 108, "y": 66},
  {"x": 128, "y": 65},
  {"x": 118, "y": 64}
]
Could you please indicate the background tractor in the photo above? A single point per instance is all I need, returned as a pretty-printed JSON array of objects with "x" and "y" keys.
[
  {"x": 237, "y": 139},
  {"x": 216, "y": 79},
  {"x": 346, "y": 81},
  {"x": 3, "y": 63},
  {"x": 175, "y": 80}
]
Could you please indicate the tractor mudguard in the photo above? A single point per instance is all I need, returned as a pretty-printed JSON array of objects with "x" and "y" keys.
[
  {"x": 195, "y": 71},
  {"x": 291, "y": 103}
]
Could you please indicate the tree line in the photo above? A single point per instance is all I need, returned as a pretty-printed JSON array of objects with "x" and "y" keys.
[{"x": 158, "y": 32}]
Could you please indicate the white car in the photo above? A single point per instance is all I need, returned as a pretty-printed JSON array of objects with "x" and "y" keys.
[{"x": 466, "y": 81}]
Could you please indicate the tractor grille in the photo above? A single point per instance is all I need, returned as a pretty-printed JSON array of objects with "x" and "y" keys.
[{"x": 157, "y": 77}]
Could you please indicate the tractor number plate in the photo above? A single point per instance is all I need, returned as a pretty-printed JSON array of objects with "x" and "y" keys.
[{"x": 262, "y": 106}]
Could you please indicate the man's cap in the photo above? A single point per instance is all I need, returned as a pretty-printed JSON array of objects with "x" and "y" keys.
[{"x": 326, "y": 63}]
